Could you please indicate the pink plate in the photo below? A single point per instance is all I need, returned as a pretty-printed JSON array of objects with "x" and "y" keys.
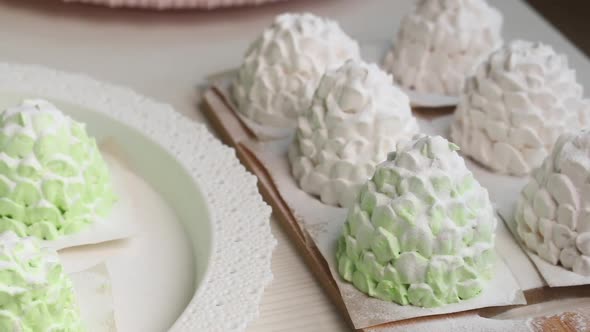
[{"x": 175, "y": 4}]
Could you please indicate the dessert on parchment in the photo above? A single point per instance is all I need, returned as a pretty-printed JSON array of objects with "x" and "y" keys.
[
  {"x": 283, "y": 67},
  {"x": 422, "y": 229},
  {"x": 441, "y": 42},
  {"x": 513, "y": 109},
  {"x": 356, "y": 117},
  {"x": 37, "y": 295},
  {"x": 553, "y": 212},
  {"x": 53, "y": 179}
]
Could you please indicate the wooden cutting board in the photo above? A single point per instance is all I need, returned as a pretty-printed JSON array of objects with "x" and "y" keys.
[{"x": 218, "y": 109}]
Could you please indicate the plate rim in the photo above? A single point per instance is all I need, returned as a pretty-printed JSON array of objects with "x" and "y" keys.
[
  {"x": 227, "y": 298},
  {"x": 170, "y": 5}
]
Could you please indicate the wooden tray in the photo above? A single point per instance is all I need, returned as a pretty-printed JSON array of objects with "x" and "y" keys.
[{"x": 218, "y": 109}]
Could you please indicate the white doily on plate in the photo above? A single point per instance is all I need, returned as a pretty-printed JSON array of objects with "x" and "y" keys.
[{"x": 229, "y": 295}]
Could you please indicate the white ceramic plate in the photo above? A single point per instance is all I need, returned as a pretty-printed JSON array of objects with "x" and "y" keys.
[{"x": 202, "y": 259}]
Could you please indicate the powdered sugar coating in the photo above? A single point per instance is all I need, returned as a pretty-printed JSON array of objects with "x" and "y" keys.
[
  {"x": 422, "y": 229},
  {"x": 356, "y": 117},
  {"x": 516, "y": 106},
  {"x": 441, "y": 42},
  {"x": 283, "y": 66},
  {"x": 553, "y": 213},
  {"x": 53, "y": 179},
  {"x": 36, "y": 293}
]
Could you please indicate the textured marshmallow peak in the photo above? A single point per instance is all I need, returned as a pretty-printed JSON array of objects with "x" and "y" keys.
[
  {"x": 441, "y": 42},
  {"x": 515, "y": 107},
  {"x": 53, "y": 180},
  {"x": 283, "y": 66},
  {"x": 422, "y": 229},
  {"x": 356, "y": 117},
  {"x": 36, "y": 295},
  {"x": 553, "y": 212}
]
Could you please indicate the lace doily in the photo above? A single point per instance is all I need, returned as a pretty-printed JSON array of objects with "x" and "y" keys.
[{"x": 229, "y": 295}]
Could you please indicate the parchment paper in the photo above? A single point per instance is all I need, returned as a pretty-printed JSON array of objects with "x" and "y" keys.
[
  {"x": 119, "y": 224},
  {"x": 93, "y": 292},
  {"x": 94, "y": 250},
  {"x": 80, "y": 258},
  {"x": 504, "y": 191},
  {"x": 555, "y": 276},
  {"x": 324, "y": 224},
  {"x": 223, "y": 81},
  {"x": 429, "y": 100}
]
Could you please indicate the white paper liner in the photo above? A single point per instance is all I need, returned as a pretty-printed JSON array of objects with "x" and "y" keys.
[
  {"x": 324, "y": 224},
  {"x": 80, "y": 258},
  {"x": 95, "y": 299},
  {"x": 521, "y": 319},
  {"x": 429, "y": 100},
  {"x": 459, "y": 324},
  {"x": 503, "y": 191},
  {"x": 263, "y": 133},
  {"x": 554, "y": 275},
  {"x": 223, "y": 81},
  {"x": 119, "y": 224}
]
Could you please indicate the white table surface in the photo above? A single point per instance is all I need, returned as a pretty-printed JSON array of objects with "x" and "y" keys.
[{"x": 167, "y": 55}]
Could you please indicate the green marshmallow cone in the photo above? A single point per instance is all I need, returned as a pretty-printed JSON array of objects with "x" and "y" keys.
[
  {"x": 35, "y": 293},
  {"x": 421, "y": 231},
  {"x": 53, "y": 180}
]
